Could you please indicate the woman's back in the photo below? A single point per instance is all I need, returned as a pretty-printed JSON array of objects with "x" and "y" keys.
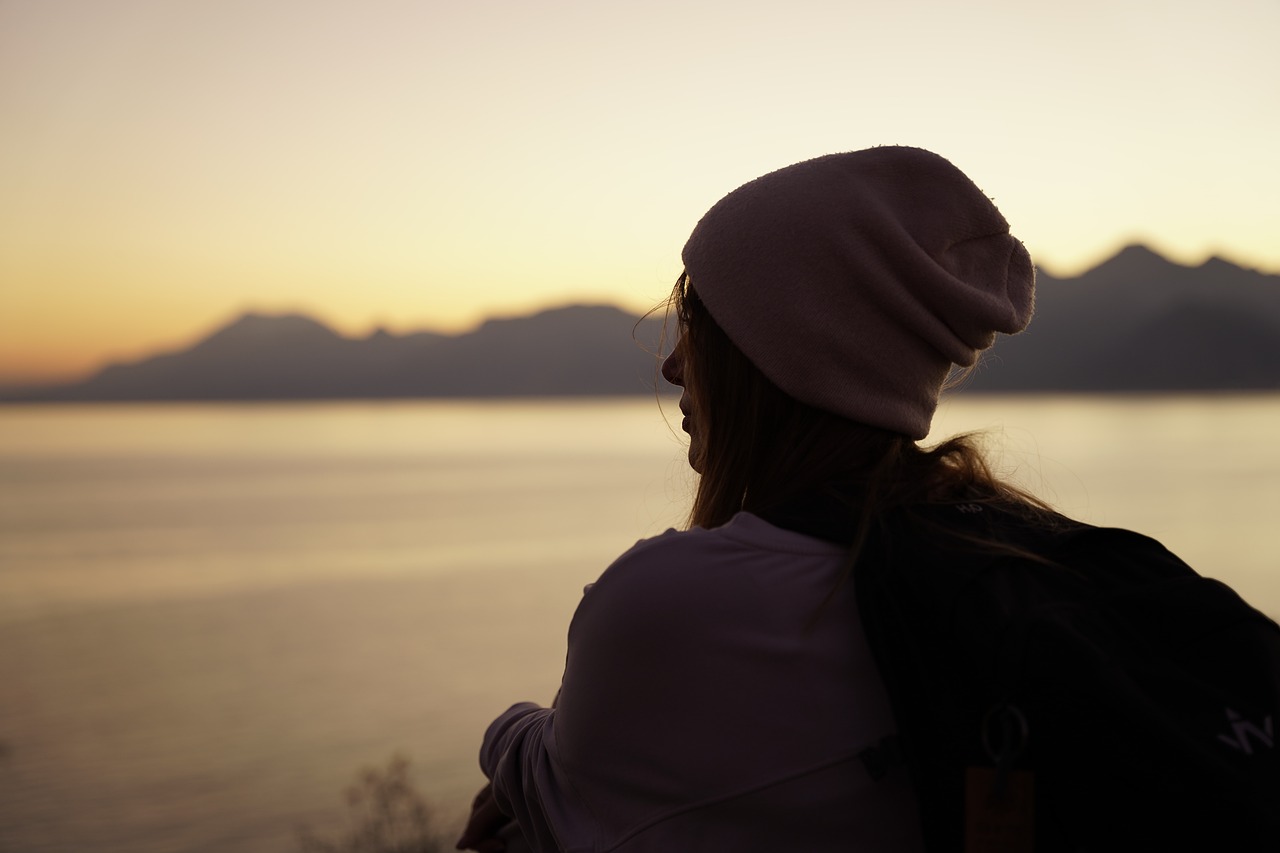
[{"x": 716, "y": 696}]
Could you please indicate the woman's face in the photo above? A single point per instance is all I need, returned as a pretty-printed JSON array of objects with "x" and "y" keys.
[{"x": 673, "y": 371}]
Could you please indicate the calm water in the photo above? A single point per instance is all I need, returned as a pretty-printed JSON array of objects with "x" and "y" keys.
[{"x": 212, "y": 616}]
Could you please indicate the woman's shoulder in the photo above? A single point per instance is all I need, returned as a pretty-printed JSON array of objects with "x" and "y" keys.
[
  {"x": 735, "y": 559},
  {"x": 743, "y": 536},
  {"x": 745, "y": 531}
]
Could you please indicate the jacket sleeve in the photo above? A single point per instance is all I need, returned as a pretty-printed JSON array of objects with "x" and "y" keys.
[
  {"x": 556, "y": 770},
  {"x": 517, "y": 757}
]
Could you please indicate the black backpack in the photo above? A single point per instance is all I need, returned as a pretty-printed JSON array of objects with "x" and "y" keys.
[{"x": 1062, "y": 687}]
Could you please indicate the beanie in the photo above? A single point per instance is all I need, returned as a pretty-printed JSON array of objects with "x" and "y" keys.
[{"x": 855, "y": 281}]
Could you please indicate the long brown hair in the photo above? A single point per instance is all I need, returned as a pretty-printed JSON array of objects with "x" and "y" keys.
[{"x": 762, "y": 448}]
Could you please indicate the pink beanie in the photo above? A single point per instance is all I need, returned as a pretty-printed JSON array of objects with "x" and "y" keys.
[{"x": 854, "y": 281}]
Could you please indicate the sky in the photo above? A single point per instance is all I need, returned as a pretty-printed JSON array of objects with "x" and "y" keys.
[{"x": 168, "y": 164}]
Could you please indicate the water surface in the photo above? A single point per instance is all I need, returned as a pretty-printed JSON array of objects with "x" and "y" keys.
[{"x": 212, "y": 615}]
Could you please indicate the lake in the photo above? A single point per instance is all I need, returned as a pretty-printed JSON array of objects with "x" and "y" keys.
[{"x": 212, "y": 616}]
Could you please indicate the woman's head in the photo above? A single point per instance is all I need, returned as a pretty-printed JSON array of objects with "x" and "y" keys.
[
  {"x": 855, "y": 281},
  {"x": 821, "y": 309}
]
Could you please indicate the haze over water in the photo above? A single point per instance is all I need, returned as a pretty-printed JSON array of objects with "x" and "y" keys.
[{"x": 211, "y": 616}]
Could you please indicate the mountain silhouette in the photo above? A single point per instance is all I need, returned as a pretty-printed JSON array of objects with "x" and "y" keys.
[
  {"x": 575, "y": 350},
  {"x": 1136, "y": 322}
]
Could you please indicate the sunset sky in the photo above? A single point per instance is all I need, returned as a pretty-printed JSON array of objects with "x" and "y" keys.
[{"x": 166, "y": 164}]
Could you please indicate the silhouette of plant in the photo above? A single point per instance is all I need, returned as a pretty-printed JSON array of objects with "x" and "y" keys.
[{"x": 387, "y": 814}]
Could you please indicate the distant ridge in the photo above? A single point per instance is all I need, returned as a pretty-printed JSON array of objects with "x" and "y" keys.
[
  {"x": 1137, "y": 322},
  {"x": 569, "y": 351}
]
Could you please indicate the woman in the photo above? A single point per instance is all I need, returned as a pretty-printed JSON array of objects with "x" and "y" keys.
[{"x": 719, "y": 692}]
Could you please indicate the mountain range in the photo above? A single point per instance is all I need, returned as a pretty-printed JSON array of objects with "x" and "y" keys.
[
  {"x": 575, "y": 350},
  {"x": 1136, "y": 322}
]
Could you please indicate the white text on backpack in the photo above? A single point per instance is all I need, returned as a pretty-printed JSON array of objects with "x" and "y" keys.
[{"x": 1244, "y": 732}]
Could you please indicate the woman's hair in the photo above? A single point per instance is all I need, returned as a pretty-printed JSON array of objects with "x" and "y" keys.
[{"x": 762, "y": 448}]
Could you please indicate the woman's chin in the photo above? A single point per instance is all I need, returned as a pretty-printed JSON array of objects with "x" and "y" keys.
[{"x": 695, "y": 458}]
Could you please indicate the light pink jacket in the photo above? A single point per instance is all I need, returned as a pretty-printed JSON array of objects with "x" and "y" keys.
[{"x": 703, "y": 709}]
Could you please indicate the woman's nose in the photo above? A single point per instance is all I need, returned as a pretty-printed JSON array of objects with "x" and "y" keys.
[{"x": 673, "y": 367}]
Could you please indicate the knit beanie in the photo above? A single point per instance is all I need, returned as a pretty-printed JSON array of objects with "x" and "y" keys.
[{"x": 855, "y": 281}]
